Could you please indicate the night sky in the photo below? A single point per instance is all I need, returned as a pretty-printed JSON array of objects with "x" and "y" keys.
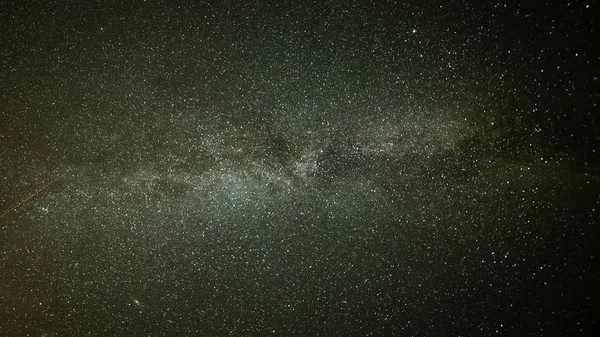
[{"x": 309, "y": 168}]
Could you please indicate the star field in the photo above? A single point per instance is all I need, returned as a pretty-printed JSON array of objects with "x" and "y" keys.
[{"x": 321, "y": 168}]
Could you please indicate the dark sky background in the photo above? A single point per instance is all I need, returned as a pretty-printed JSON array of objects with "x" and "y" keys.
[{"x": 318, "y": 168}]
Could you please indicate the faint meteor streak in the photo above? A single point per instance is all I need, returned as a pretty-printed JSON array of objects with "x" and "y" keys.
[{"x": 31, "y": 196}]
